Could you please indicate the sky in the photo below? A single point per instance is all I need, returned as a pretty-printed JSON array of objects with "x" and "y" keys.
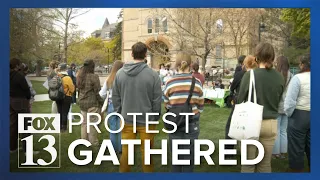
[{"x": 94, "y": 19}]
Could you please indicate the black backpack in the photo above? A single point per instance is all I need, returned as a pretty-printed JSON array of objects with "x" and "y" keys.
[{"x": 180, "y": 120}]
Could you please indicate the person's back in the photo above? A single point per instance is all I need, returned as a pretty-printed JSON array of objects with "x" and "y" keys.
[
  {"x": 137, "y": 89},
  {"x": 269, "y": 85},
  {"x": 140, "y": 90},
  {"x": 268, "y": 94},
  {"x": 89, "y": 93}
]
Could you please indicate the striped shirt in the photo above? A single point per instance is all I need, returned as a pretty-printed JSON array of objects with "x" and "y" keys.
[{"x": 177, "y": 89}]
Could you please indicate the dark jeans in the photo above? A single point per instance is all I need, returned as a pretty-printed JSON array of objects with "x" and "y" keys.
[
  {"x": 63, "y": 108},
  {"x": 227, "y": 129},
  {"x": 17, "y": 105},
  {"x": 74, "y": 97},
  {"x": 298, "y": 139},
  {"x": 194, "y": 131}
]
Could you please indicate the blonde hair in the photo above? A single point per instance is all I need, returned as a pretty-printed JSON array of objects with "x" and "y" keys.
[
  {"x": 250, "y": 62},
  {"x": 183, "y": 61}
]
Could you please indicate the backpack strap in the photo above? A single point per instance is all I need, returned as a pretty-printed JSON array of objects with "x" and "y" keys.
[{"x": 191, "y": 90}]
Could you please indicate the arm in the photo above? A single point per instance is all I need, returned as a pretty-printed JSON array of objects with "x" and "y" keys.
[
  {"x": 157, "y": 95},
  {"x": 104, "y": 90},
  {"x": 244, "y": 88},
  {"x": 70, "y": 84},
  {"x": 290, "y": 101},
  {"x": 201, "y": 100},
  {"x": 116, "y": 95},
  {"x": 24, "y": 86},
  {"x": 236, "y": 82},
  {"x": 166, "y": 97},
  {"x": 96, "y": 88}
]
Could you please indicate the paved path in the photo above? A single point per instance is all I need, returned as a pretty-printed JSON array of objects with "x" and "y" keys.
[{"x": 33, "y": 78}]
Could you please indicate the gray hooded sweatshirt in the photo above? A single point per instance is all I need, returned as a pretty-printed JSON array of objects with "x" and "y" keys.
[{"x": 137, "y": 89}]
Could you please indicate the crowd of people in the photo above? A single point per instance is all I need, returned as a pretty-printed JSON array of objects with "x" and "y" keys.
[{"x": 135, "y": 87}]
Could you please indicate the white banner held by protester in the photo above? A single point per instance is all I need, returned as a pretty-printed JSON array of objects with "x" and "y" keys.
[{"x": 247, "y": 117}]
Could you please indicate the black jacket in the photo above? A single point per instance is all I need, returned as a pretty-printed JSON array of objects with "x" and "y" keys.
[
  {"x": 235, "y": 85},
  {"x": 19, "y": 87}
]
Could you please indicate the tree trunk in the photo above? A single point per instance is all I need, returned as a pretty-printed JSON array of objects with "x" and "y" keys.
[
  {"x": 38, "y": 68},
  {"x": 65, "y": 39}
]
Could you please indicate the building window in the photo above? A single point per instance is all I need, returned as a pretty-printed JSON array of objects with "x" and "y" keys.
[
  {"x": 107, "y": 34},
  {"x": 219, "y": 25},
  {"x": 157, "y": 23},
  {"x": 218, "y": 52},
  {"x": 149, "y": 26},
  {"x": 165, "y": 24}
]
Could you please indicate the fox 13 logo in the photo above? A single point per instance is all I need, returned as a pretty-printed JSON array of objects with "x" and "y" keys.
[{"x": 40, "y": 140}]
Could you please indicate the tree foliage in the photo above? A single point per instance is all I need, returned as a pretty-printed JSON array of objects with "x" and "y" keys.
[{"x": 299, "y": 18}]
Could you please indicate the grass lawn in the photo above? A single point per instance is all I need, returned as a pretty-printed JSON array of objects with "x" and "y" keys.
[
  {"x": 212, "y": 127},
  {"x": 38, "y": 87}
]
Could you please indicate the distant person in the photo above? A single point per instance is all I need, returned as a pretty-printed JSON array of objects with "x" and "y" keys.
[
  {"x": 114, "y": 121},
  {"x": 51, "y": 73},
  {"x": 240, "y": 63},
  {"x": 63, "y": 105},
  {"x": 248, "y": 64},
  {"x": 146, "y": 61},
  {"x": 196, "y": 74},
  {"x": 176, "y": 93},
  {"x": 89, "y": 99},
  {"x": 218, "y": 84},
  {"x": 20, "y": 96},
  {"x": 269, "y": 85},
  {"x": 281, "y": 144},
  {"x": 297, "y": 107},
  {"x": 25, "y": 71},
  {"x": 137, "y": 88},
  {"x": 72, "y": 74}
]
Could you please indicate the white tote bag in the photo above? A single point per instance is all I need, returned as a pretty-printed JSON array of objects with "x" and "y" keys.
[{"x": 247, "y": 117}]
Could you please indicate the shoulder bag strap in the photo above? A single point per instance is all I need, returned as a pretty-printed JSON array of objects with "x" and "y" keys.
[{"x": 191, "y": 90}]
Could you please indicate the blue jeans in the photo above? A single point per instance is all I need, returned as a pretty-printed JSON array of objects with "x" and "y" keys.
[
  {"x": 281, "y": 143},
  {"x": 114, "y": 124}
]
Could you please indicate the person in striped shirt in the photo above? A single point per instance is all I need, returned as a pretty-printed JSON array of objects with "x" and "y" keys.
[{"x": 176, "y": 93}]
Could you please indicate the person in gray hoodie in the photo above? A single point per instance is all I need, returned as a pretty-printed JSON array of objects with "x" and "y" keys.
[{"x": 137, "y": 89}]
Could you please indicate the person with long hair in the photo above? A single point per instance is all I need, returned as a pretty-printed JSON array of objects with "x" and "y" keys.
[
  {"x": 114, "y": 121},
  {"x": 89, "y": 99},
  {"x": 63, "y": 105},
  {"x": 297, "y": 107},
  {"x": 176, "y": 93},
  {"x": 50, "y": 74},
  {"x": 269, "y": 85},
  {"x": 281, "y": 144}
]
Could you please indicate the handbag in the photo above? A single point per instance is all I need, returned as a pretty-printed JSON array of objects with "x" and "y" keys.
[
  {"x": 180, "y": 120},
  {"x": 247, "y": 117}
]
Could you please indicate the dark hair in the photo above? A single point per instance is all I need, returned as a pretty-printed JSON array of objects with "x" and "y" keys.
[
  {"x": 14, "y": 62},
  {"x": 241, "y": 59},
  {"x": 305, "y": 61},
  {"x": 139, "y": 51},
  {"x": 88, "y": 68},
  {"x": 195, "y": 67},
  {"x": 265, "y": 54},
  {"x": 161, "y": 65},
  {"x": 282, "y": 66}
]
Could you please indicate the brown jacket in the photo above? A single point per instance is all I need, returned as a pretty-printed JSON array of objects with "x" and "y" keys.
[{"x": 89, "y": 95}]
